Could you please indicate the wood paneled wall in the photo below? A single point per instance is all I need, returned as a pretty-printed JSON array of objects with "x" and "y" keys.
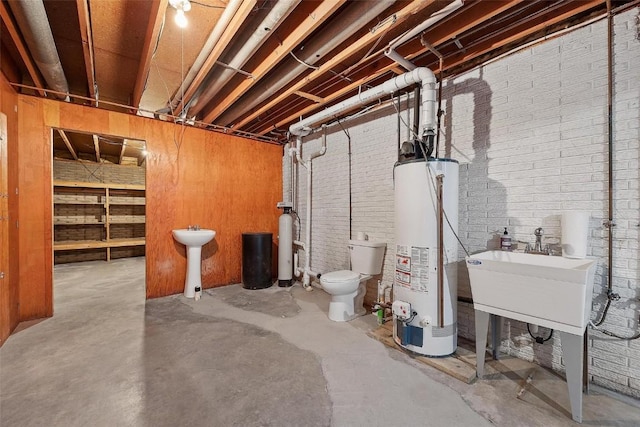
[
  {"x": 8, "y": 213},
  {"x": 193, "y": 176}
]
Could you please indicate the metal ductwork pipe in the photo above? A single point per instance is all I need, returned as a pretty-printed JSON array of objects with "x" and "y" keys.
[
  {"x": 221, "y": 25},
  {"x": 249, "y": 46},
  {"x": 357, "y": 15},
  {"x": 34, "y": 25}
]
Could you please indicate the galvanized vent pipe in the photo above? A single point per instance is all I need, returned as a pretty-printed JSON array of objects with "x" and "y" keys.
[
  {"x": 274, "y": 18},
  {"x": 32, "y": 20}
]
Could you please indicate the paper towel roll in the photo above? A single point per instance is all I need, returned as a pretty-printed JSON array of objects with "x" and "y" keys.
[{"x": 575, "y": 232}]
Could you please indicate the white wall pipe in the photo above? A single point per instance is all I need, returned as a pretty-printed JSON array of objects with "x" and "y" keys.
[
  {"x": 306, "y": 271},
  {"x": 221, "y": 25},
  {"x": 420, "y": 75},
  {"x": 263, "y": 30},
  {"x": 401, "y": 60},
  {"x": 32, "y": 20}
]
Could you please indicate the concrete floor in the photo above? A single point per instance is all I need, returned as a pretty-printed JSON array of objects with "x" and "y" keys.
[{"x": 247, "y": 358}]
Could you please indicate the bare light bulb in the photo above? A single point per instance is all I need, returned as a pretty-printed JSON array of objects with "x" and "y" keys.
[{"x": 180, "y": 19}]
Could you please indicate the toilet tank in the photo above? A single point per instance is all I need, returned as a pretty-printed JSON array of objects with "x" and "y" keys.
[{"x": 366, "y": 256}]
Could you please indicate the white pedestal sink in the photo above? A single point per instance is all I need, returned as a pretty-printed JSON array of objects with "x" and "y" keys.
[{"x": 193, "y": 240}]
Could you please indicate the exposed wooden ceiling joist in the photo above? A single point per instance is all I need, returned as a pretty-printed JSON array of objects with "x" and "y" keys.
[
  {"x": 124, "y": 147},
  {"x": 64, "y": 137},
  {"x": 370, "y": 37},
  {"x": 236, "y": 22},
  {"x": 520, "y": 32},
  {"x": 158, "y": 9},
  {"x": 22, "y": 49},
  {"x": 306, "y": 27},
  {"x": 96, "y": 146},
  {"x": 87, "y": 46}
]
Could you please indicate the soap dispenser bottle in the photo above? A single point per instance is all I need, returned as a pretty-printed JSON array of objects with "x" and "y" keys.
[{"x": 505, "y": 241}]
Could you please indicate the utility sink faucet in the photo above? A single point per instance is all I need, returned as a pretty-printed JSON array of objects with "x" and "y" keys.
[{"x": 537, "y": 247}]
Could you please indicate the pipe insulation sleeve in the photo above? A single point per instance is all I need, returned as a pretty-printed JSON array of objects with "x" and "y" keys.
[
  {"x": 263, "y": 30},
  {"x": 32, "y": 20},
  {"x": 420, "y": 75}
]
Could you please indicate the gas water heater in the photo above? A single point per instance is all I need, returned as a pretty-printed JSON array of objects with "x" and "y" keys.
[{"x": 425, "y": 283}]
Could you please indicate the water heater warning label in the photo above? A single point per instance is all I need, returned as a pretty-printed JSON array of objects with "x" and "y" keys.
[{"x": 412, "y": 267}]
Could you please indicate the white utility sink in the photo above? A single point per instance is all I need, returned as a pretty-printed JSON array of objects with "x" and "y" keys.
[
  {"x": 193, "y": 240},
  {"x": 544, "y": 290}
]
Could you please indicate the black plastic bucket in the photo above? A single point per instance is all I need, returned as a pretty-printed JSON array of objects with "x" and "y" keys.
[{"x": 256, "y": 260}]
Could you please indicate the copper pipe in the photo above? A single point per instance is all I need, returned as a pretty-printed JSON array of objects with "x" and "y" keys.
[{"x": 440, "y": 267}]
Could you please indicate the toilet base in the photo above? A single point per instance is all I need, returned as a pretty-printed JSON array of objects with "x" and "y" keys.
[{"x": 344, "y": 308}]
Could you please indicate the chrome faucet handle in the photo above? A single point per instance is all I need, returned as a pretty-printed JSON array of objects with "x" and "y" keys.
[
  {"x": 196, "y": 227},
  {"x": 190, "y": 227},
  {"x": 539, "y": 232}
]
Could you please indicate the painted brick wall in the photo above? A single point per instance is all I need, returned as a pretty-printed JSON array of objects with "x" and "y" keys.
[{"x": 530, "y": 133}]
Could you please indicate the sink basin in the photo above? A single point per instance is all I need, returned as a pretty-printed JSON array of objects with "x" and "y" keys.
[
  {"x": 193, "y": 240},
  {"x": 549, "y": 291},
  {"x": 193, "y": 237}
]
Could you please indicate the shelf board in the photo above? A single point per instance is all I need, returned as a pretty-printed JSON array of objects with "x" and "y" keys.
[
  {"x": 58, "y": 202},
  {"x": 71, "y": 245},
  {"x": 77, "y": 184},
  {"x": 128, "y": 221},
  {"x": 58, "y": 222}
]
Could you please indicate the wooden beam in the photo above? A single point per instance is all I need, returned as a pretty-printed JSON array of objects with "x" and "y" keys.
[
  {"x": 156, "y": 18},
  {"x": 96, "y": 145},
  {"x": 301, "y": 32},
  {"x": 437, "y": 37},
  {"x": 68, "y": 143},
  {"x": 334, "y": 95},
  {"x": 87, "y": 46},
  {"x": 22, "y": 49},
  {"x": 520, "y": 31},
  {"x": 478, "y": 13},
  {"x": 124, "y": 146},
  {"x": 309, "y": 96},
  {"x": 401, "y": 16},
  {"x": 238, "y": 19}
]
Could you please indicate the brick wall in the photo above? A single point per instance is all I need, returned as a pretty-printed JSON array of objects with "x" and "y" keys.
[
  {"x": 78, "y": 207},
  {"x": 530, "y": 133}
]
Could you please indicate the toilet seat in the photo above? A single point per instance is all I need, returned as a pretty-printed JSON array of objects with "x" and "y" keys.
[{"x": 340, "y": 276}]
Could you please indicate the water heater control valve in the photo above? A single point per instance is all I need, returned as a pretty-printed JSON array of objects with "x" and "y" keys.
[
  {"x": 425, "y": 321},
  {"x": 401, "y": 309}
]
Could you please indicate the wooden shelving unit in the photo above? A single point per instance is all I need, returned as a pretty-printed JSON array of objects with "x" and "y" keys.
[{"x": 98, "y": 215}]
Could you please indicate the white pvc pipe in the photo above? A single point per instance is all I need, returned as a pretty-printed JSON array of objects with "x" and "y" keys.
[
  {"x": 420, "y": 75},
  {"x": 306, "y": 271},
  {"x": 434, "y": 18}
]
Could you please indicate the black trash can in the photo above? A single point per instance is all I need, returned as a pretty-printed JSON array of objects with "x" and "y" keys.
[{"x": 256, "y": 260}]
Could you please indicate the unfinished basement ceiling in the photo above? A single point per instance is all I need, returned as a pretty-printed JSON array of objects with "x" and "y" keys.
[
  {"x": 259, "y": 65},
  {"x": 96, "y": 148}
]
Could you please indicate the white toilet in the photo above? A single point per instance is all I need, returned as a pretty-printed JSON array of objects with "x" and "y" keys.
[{"x": 347, "y": 287}]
